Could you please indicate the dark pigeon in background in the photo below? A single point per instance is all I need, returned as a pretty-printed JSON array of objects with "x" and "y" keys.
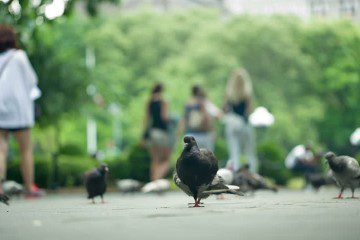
[
  {"x": 95, "y": 182},
  {"x": 346, "y": 172},
  {"x": 248, "y": 181},
  {"x": 196, "y": 170},
  {"x": 317, "y": 180},
  {"x": 4, "y": 199}
]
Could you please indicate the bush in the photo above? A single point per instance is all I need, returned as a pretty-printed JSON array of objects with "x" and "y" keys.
[
  {"x": 118, "y": 169},
  {"x": 272, "y": 158},
  {"x": 221, "y": 151},
  {"x": 71, "y": 149},
  {"x": 139, "y": 163}
]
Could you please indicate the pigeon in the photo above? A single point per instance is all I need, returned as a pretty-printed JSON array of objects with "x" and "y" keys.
[
  {"x": 157, "y": 186},
  {"x": 226, "y": 174},
  {"x": 317, "y": 180},
  {"x": 345, "y": 171},
  {"x": 196, "y": 170},
  {"x": 4, "y": 199},
  {"x": 95, "y": 182},
  {"x": 12, "y": 188},
  {"x": 248, "y": 181},
  {"x": 128, "y": 185}
]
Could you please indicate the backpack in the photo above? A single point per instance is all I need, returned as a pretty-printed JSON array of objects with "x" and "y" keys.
[{"x": 198, "y": 119}]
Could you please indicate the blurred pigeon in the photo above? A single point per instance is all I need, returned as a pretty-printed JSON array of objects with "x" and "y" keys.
[
  {"x": 12, "y": 188},
  {"x": 4, "y": 199},
  {"x": 346, "y": 172},
  {"x": 226, "y": 174},
  {"x": 128, "y": 185},
  {"x": 157, "y": 186},
  {"x": 248, "y": 181},
  {"x": 317, "y": 180},
  {"x": 196, "y": 172},
  {"x": 95, "y": 182}
]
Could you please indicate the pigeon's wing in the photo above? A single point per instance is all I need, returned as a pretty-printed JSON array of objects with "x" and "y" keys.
[
  {"x": 218, "y": 186},
  {"x": 353, "y": 168},
  {"x": 209, "y": 158},
  {"x": 181, "y": 185}
]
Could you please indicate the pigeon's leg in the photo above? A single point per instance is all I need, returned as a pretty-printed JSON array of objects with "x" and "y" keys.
[
  {"x": 102, "y": 199},
  {"x": 340, "y": 194},
  {"x": 196, "y": 204},
  {"x": 353, "y": 194},
  {"x": 220, "y": 197},
  {"x": 93, "y": 201}
]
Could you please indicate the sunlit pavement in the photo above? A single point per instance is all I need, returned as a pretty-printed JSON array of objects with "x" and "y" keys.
[{"x": 285, "y": 215}]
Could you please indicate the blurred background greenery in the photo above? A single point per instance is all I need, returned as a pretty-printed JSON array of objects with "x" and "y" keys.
[{"x": 307, "y": 73}]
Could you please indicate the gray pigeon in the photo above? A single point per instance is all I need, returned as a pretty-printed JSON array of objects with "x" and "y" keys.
[
  {"x": 129, "y": 185},
  {"x": 196, "y": 173},
  {"x": 345, "y": 171}
]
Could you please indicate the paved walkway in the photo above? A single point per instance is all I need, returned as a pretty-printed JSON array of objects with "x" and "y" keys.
[{"x": 286, "y": 215}]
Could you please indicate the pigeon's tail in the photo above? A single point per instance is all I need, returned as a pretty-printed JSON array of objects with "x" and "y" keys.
[
  {"x": 4, "y": 199},
  {"x": 229, "y": 189}
]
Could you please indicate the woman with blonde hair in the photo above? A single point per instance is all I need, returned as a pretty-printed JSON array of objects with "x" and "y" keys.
[{"x": 239, "y": 133}]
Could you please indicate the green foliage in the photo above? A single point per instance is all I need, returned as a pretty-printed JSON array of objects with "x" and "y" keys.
[
  {"x": 271, "y": 158},
  {"x": 305, "y": 73},
  {"x": 139, "y": 163}
]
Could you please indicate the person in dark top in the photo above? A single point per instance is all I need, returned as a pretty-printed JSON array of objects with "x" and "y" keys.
[
  {"x": 239, "y": 133},
  {"x": 156, "y": 124}
]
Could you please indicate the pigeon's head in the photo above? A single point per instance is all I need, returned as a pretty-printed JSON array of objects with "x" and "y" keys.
[
  {"x": 189, "y": 141},
  {"x": 330, "y": 155},
  {"x": 103, "y": 168}
]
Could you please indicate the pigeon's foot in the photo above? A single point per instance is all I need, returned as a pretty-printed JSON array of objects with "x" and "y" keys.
[
  {"x": 93, "y": 201},
  {"x": 353, "y": 197},
  {"x": 196, "y": 204},
  {"x": 4, "y": 199},
  {"x": 339, "y": 197},
  {"x": 220, "y": 197}
]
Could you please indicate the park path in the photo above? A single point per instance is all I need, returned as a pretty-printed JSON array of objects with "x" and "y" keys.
[{"x": 288, "y": 215}]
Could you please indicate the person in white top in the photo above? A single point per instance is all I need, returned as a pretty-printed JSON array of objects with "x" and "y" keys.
[
  {"x": 302, "y": 159},
  {"x": 17, "y": 81}
]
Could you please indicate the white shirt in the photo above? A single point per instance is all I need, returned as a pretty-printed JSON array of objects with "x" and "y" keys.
[
  {"x": 16, "y": 83},
  {"x": 298, "y": 152}
]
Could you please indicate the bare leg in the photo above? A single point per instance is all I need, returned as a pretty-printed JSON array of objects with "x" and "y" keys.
[
  {"x": 164, "y": 163},
  {"x": 340, "y": 194},
  {"x": 23, "y": 137},
  {"x": 154, "y": 166},
  {"x": 4, "y": 145}
]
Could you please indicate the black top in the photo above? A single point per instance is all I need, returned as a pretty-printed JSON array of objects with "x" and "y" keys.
[
  {"x": 155, "y": 115},
  {"x": 239, "y": 108}
]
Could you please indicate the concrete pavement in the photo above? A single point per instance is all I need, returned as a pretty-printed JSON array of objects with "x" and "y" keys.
[{"x": 285, "y": 215}]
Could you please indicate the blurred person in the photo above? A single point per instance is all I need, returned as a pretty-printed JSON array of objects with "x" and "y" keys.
[
  {"x": 156, "y": 124},
  {"x": 239, "y": 133},
  {"x": 302, "y": 159},
  {"x": 17, "y": 83},
  {"x": 199, "y": 117}
]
